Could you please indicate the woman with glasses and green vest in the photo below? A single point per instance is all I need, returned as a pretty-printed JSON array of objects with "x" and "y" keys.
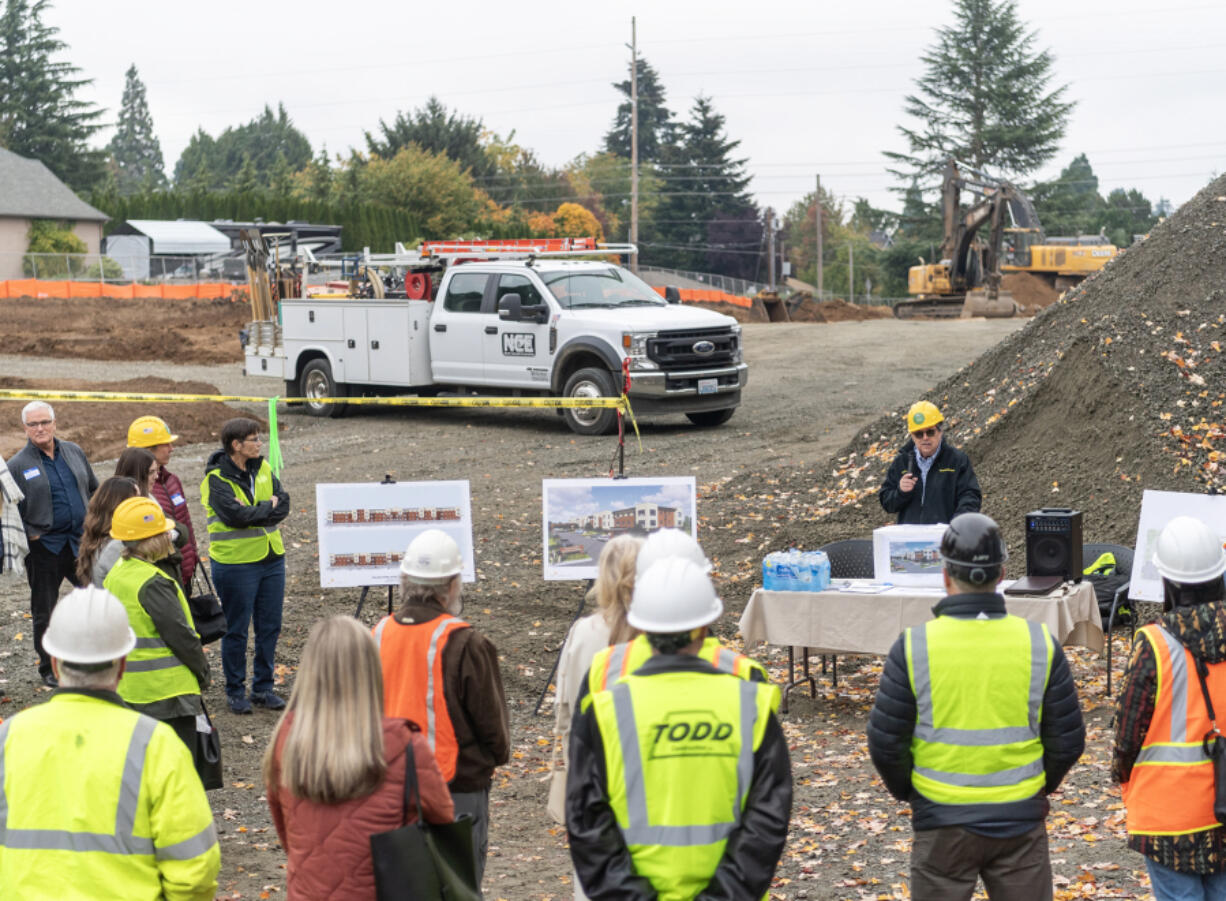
[
  {"x": 167, "y": 670},
  {"x": 244, "y": 504}
]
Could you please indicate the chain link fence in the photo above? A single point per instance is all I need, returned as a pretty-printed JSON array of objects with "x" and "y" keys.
[{"x": 92, "y": 267}]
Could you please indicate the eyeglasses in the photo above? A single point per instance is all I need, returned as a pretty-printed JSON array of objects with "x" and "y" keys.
[
  {"x": 40, "y": 423},
  {"x": 255, "y": 439},
  {"x": 926, "y": 433}
]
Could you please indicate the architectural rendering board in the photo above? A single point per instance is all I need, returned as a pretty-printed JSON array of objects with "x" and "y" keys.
[{"x": 364, "y": 527}]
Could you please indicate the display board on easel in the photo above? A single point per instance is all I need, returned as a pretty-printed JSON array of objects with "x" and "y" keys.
[
  {"x": 1157, "y": 509},
  {"x": 364, "y": 527}
]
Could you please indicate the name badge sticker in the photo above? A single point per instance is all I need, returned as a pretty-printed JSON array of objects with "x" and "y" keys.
[
  {"x": 177, "y": 499},
  {"x": 32, "y": 473}
]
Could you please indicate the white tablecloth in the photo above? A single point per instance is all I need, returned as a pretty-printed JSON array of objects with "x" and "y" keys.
[{"x": 848, "y": 623}]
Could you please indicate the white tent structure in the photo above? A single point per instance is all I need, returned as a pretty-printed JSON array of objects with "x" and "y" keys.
[{"x": 138, "y": 241}]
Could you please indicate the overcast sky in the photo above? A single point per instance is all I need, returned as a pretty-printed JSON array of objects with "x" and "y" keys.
[{"x": 808, "y": 87}]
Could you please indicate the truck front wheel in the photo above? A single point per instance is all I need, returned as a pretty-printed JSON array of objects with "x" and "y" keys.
[
  {"x": 708, "y": 418},
  {"x": 590, "y": 420},
  {"x": 318, "y": 385}
]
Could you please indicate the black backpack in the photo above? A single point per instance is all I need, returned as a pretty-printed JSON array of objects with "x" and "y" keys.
[{"x": 1107, "y": 581}]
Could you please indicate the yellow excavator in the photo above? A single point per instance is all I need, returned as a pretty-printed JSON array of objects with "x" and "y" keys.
[{"x": 967, "y": 280}]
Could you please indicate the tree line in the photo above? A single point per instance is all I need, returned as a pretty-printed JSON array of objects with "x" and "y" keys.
[{"x": 434, "y": 172}]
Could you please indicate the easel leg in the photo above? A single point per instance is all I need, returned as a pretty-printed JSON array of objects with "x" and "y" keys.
[
  {"x": 357, "y": 614},
  {"x": 536, "y": 711}
]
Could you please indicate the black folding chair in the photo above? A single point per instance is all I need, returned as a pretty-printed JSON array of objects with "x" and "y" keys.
[{"x": 1123, "y": 566}]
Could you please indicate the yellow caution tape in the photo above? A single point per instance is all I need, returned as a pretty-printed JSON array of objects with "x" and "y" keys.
[{"x": 607, "y": 403}]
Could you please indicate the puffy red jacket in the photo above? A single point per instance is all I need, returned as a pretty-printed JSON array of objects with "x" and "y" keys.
[
  {"x": 328, "y": 845},
  {"x": 167, "y": 490}
]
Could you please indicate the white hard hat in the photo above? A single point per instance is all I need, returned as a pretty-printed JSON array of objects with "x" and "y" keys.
[
  {"x": 89, "y": 626},
  {"x": 1189, "y": 552},
  {"x": 664, "y": 543},
  {"x": 432, "y": 558},
  {"x": 674, "y": 595}
]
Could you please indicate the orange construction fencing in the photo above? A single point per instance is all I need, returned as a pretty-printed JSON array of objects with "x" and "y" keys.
[
  {"x": 705, "y": 295},
  {"x": 33, "y": 287}
]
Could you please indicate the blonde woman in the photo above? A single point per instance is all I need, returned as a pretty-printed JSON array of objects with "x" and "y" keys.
[
  {"x": 167, "y": 671},
  {"x": 607, "y": 626},
  {"x": 334, "y": 771}
]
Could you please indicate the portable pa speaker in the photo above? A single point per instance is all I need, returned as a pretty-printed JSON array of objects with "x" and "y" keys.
[{"x": 1053, "y": 543}]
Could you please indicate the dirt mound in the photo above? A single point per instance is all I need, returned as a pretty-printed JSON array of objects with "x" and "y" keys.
[
  {"x": 102, "y": 428},
  {"x": 185, "y": 331},
  {"x": 1117, "y": 387},
  {"x": 755, "y": 313},
  {"x": 1032, "y": 292},
  {"x": 837, "y": 310}
]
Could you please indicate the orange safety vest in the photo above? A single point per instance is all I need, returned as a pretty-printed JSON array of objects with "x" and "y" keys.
[
  {"x": 1170, "y": 789},
  {"x": 412, "y": 659}
]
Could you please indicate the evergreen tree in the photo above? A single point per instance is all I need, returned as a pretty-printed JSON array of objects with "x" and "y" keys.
[
  {"x": 435, "y": 130},
  {"x": 262, "y": 141},
  {"x": 1070, "y": 205},
  {"x": 656, "y": 126},
  {"x": 246, "y": 179},
  {"x": 706, "y": 219},
  {"x": 40, "y": 117},
  {"x": 136, "y": 155},
  {"x": 984, "y": 99}
]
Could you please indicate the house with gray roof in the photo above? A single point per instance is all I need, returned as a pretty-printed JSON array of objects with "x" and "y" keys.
[{"x": 29, "y": 191}]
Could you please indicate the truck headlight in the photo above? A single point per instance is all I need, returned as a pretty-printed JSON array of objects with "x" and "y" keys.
[
  {"x": 738, "y": 355},
  {"x": 635, "y": 346}
]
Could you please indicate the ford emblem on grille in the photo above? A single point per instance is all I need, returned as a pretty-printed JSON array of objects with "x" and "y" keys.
[{"x": 703, "y": 348}]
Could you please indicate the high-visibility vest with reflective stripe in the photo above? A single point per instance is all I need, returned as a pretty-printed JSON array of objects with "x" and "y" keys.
[
  {"x": 617, "y": 661},
  {"x": 979, "y": 686},
  {"x": 241, "y": 545},
  {"x": 100, "y": 801},
  {"x": 412, "y": 659},
  {"x": 152, "y": 672},
  {"x": 679, "y": 752},
  {"x": 1170, "y": 789}
]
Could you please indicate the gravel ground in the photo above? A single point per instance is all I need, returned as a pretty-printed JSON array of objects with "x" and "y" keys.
[{"x": 811, "y": 390}]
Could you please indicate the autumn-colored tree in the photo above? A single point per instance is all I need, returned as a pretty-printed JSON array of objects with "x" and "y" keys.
[
  {"x": 574, "y": 221},
  {"x": 430, "y": 186}
]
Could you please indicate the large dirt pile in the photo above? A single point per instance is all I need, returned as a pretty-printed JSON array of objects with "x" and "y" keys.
[
  {"x": 1117, "y": 387},
  {"x": 102, "y": 428},
  {"x": 1032, "y": 292},
  {"x": 181, "y": 331},
  {"x": 806, "y": 309}
]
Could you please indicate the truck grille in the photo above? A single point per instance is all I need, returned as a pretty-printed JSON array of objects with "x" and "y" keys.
[{"x": 676, "y": 350}]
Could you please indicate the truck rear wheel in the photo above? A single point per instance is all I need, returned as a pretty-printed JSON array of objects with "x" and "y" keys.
[
  {"x": 708, "y": 418},
  {"x": 590, "y": 382},
  {"x": 317, "y": 385}
]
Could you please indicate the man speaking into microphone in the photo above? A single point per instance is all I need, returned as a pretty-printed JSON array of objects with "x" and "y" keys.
[{"x": 930, "y": 480}]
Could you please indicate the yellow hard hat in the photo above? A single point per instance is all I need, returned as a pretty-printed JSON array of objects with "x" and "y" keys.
[
  {"x": 138, "y": 518},
  {"x": 923, "y": 415},
  {"x": 149, "y": 431}
]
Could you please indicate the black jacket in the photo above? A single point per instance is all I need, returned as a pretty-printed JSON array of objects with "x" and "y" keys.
[
  {"x": 891, "y": 725},
  {"x": 951, "y": 487},
  {"x": 598, "y": 850},
  {"x": 229, "y": 510}
]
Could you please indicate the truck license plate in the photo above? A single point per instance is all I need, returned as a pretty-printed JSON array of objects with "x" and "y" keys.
[{"x": 707, "y": 386}]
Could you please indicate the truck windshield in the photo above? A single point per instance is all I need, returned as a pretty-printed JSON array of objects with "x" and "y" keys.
[{"x": 612, "y": 287}]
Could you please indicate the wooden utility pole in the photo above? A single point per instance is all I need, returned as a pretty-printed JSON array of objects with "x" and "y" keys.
[
  {"x": 634, "y": 144},
  {"x": 770, "y": 249},
  {"x": 851, "y": 273},
  {"x": 818, "y": 217}
]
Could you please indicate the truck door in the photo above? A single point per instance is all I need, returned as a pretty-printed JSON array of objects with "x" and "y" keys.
[
  {"x": 456, "y": 330},
  {"x": 517, "y": 353}
]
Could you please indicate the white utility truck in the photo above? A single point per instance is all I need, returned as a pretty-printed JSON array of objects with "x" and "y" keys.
[{"x": 518, "y": 318}]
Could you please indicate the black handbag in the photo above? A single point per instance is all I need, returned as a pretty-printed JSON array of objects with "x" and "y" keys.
[
  {"x": 207, "y": 614},
  {"x": 1214, "y": 746},
  {"x": 424, "y": 860},
  {"x": 207, "y": 753}
]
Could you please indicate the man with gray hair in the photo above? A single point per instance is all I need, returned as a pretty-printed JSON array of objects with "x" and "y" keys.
[
  {"x": 99, "y": 799},
  {"x": 57, "y": 482}
]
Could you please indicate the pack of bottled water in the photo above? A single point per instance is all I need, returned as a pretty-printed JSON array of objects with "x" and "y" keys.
[{"x": 794, "y": 570}]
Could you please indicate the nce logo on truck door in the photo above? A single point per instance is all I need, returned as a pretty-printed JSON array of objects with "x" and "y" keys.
[{"x": 518, "y": 344}]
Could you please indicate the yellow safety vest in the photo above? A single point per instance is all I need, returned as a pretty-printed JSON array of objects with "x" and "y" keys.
[
  {"x": 664, "y": 735},
  {"x": 979, "y": 686},
  {"x": 249, "y": 545},
  {"x": 100, "y": 801},
  {"x": 153, "y": 672},
  {"x": 615, "y": 662}
]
